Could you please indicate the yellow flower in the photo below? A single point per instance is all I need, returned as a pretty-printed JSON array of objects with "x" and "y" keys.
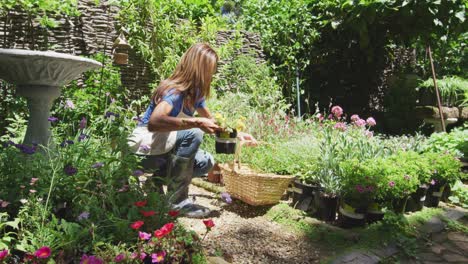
[{"x": 240, "y": 126}]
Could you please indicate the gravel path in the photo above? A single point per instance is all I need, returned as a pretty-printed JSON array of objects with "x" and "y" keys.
[{"x": 244, "y": 235}]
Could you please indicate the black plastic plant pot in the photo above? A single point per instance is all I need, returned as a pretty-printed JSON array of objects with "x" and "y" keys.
[
  {"x": 417, "y": 199},
  {"x": 446, "y": 194},
  {"x": 399, "y": 205},
  {"x": 434, "y": 193},
  {"x": 226, "y": 142},
  {"x": 326, "y": 206},
  {"x": 349, "y": 217},
  {"x": 374, "y": 213},
  {"x": 303, "y": 195}
]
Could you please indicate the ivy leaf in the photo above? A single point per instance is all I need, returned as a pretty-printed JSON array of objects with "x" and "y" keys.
[
  {"x": 437, "y": 22},
  {"x": 335, "y": 24}
]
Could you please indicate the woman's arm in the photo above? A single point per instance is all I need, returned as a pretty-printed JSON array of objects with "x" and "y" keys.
[
  {"x": 162, "y": 122},
  {"x": 204, "y": 112}
]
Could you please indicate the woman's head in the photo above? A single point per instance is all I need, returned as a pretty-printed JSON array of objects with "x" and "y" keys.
[{"x": 193, "y": 74}]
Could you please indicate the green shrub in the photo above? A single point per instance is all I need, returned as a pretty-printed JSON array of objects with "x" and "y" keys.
[
  {"x": 455, "y": 142},
  {"x": 453, "y": 89}
]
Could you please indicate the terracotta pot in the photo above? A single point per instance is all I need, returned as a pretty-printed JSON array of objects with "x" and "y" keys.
[{"x": 215, "y": 175}]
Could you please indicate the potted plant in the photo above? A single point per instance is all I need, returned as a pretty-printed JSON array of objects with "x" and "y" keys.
[
  {"x": 417, "y": 165},
  {"x": 226, "y": 140},
  {"x": 397, "y": 183},
  {"x": 445, "y": 170},
  {"x": 358, "y": 188}
]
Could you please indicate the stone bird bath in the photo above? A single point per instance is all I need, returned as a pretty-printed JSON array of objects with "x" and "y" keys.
[{"x": 39, "y": 76}]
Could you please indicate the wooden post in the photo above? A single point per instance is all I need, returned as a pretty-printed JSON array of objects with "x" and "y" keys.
[{"x": 439, "y": 104}]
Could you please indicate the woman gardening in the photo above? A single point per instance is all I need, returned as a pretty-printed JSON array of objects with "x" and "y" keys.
[{"x": 170, "y": 117}]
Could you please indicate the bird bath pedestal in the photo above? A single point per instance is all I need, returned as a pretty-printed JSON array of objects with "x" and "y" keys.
[{"x": 39, "y": 77}]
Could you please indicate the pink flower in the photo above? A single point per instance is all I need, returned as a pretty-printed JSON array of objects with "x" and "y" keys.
[
  {"x": 337, "y": 111},
  {"x": 173, "y": 213},
  {"x": 85, "y": 259},
  {"x": 433, "y": 182},
  {"x": 143, "y": 235},
  {"x": 33, "y": 181},
  {"x": 3, "y": 254},
  {"x": 369, "y": 134},
  {"x": 83, "y": 123},
  {"x": 120, "y": 257},
  {"x": 142, "y": 255},
  {"x": 136, "y": 225},
  {"x": 134, "y": 255},
  {"x": 209, "y": 223},
  {"x": 4, "y": 204},
  {"x": 355, "y": 118},
  {"x": 360, "y": 122},
  {"x": 340, "y": 126},
  {"x": 359, "y": 188},
  {"x": 370, "y": 188},
  {"x": 407, "y": 177},
  {"x": 320, "y": 117},
  {"x": 158, "y": 257},
  {"x": 391, "y": 184},
  {"x": 43, "y": 252},
  {"x": 69, "y": 104},
  {"x": 32, "y": 191},
  {"x": 371, "y": 121}
]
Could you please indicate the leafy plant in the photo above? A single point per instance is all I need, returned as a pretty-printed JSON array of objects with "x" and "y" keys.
[
  {"x": 445, "y": 167},
  {"x": 459, "y": 194},
  {"x": 455, "y": 142},
  {"x": 453, "y": 89}
]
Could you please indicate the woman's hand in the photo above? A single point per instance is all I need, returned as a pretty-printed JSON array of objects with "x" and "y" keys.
[
  {"x": 207, "y": 125},
  {"x": 247, "y": 139}
]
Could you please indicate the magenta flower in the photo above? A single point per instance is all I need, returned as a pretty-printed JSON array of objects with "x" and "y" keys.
[
  {"x": 371, "y": 121},
  {"x": 134, "y": 255},
  {"x": 83, "y": 215},
  {"x": 85, "y": 259},
  {"x": 433, "y": 182},
  {"x": 391, "y": 184},
  {"x": 43, "y": 252},
  {"x": 142, "y": 255},
  {"x": 143, "y": 235},
  {"x": 145, "y": 148},
  {"x": 33, "y": 181},
  {"x": 120, "y": 257},
  {"x": 355, "y": 118},
  {"x": 337, "y": 111},
  {"x": 158, "y": 257},
  {"x": 3, "y": 254},
  {"x": 82, "y": 137},
  {"x": 83, "y": 123},
  {"x": 370, "y": 188},
  {"x": 340, "y": 126}
]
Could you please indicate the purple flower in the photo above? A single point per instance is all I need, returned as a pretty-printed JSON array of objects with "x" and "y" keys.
[
  {"x": 83, "y": 216},
  {"x": 70, "y": 170},
  {"x": 337, "y": 111},
  {"x": 371, "y": 121},
  {"x": 433, "y": 182},
  {"x": 85, "y": 259},
  {"x": 137, "y": 173},
  {"x": 120, "y": 257},
  {"x": 69, "y": 104},
  {"x": 370, "y": 188},
  {"x": 391, "y": 184},
  {"x": 226, "y": 197},
  {"x": 82, "y": 137},
  {"x": 26, "y": 149},
  {"x": 360, "y": 122},
  {"x": 83, "y": 123},
  {"x": 143, "y": 235},
  {"x": 52, "y": 119},
  {"x": 145, "y": 148}
]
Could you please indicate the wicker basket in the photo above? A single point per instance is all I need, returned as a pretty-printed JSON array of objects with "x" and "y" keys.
[{"x": 252, "y": 187}]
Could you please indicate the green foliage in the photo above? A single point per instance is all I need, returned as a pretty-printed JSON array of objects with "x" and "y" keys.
[
  {"x": 459, "y": 194},
  {"x": 455, "y": 142},
  {"x": 8, "y": 231},
  {"x": 445, "y": 167},
  {"x": 453, "y": 90}
]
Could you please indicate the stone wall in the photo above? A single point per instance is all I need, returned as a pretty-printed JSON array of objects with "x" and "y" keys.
[{"x": 94, "y": 31}]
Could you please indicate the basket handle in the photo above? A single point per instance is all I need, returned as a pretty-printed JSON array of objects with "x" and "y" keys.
[{"x": 237, "y": 154}]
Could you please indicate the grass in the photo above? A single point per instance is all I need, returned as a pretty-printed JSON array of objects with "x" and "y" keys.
[{"x": 394, "y": 229}]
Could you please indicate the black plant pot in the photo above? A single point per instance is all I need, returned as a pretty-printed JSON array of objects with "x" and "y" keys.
[
  {"x": 416, "y": 200},
  {"x": 303, "y": 195},
  {"x": 226, "y": 142},
  {"x": 399, "y": 205},
  {"x": 434, "y": 193},
  {"x": 351, "y": 218},
  {"x": 326, "y": 206},
  {"x": 446, "y": 194},
  {"x": 374, "y": 213}
]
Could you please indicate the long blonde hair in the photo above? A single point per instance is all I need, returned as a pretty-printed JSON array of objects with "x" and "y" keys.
[{"x": 192, "y": 76}]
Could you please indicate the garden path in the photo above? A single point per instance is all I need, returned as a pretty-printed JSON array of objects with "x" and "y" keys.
[{"x": 244, "y": 235}]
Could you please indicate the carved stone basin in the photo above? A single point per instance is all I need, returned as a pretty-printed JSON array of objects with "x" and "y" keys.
[{"x": 39, "y": 76}]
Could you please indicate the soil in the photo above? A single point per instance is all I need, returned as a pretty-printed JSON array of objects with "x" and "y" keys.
[{"x": 243, "y": 234}]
